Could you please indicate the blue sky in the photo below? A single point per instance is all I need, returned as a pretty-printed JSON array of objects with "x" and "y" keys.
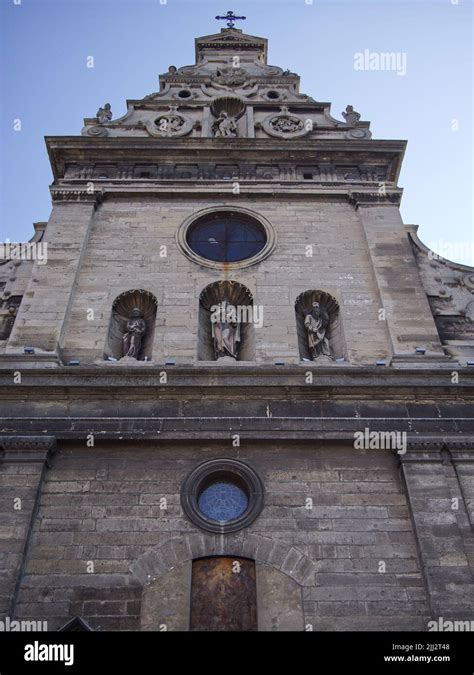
[{"x": 45, "y": 83}]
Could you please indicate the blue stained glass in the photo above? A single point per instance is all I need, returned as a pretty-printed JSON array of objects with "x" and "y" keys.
[
  {"x": 226, "y": 238},
  {"x": 223, "y": 501}
]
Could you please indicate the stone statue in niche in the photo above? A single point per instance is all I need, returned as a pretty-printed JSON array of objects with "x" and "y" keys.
[
  {"x": 225, "y": 126},
  {"x": 351, "y": 116},
  {"x": 135, "y": 331},
  {"x": 225, "y": 330},
  {"x": 104, "y": 114},
  {"x": 12, "y": 305},
  {"x": 316, "y": 323},
  {"x": 7, "y": 323}
]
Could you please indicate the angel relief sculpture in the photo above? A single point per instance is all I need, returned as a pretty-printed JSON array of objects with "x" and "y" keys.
[{"x": 225, "y": 126}]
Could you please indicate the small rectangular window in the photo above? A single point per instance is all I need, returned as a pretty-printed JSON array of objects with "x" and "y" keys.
[{"x": 308, "y": 176}]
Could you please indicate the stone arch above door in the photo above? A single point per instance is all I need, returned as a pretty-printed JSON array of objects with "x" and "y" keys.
[
  {"x": 165, "y": 557},
  {"x": 166, "y": 573}
]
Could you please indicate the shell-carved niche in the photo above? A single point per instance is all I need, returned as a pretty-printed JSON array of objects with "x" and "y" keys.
[
  {"x": 226, "y": 326},
  {"x": 319, "y": 326},
  {"x": 132, "y": 326},
  {"x": 227, "y": 110}
]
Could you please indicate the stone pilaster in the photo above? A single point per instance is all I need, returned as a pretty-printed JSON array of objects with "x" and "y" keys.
[
  {"x": 23, "y": 463},
  {"x": 44, "y": 311},
  {"x": 409, "y": 319},
  {"x": 441, "y": 542},
  {"x": 463, "y": 461}
]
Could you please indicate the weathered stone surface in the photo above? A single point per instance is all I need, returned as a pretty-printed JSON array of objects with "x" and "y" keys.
[{"x": 347, "y": 539}]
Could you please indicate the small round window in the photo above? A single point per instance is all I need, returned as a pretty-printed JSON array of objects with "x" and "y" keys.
[
  {"x": 222, "y": 501},
  {"x": 222, "y": 495}
]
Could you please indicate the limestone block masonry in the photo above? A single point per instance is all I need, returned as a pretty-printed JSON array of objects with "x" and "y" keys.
[{"x": 302, "y": 217}]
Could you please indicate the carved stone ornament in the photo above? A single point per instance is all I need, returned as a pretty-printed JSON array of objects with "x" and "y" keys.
[
  {"x": 468, "y": 282},
  {"x": 285, "y": 125},
  {"x": 228, "y": 76},
  {"x": 358, "y": 133},
  {"x": 225, "y": 127},
  {"x": 97, "y": 131},
  {"x": 369, "y": 198},
  {"x": 233, "y": 105},
  {"x": 169, "y": 125},
  {"x": 96, "y": 198}
]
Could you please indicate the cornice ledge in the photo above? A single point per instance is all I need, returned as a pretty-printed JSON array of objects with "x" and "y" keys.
[
  {"x": 461, "y": 451},
  {"x": 428, "y": 451},
  {"x": 357, "y": 199},
  {"x": 27, "y": 448},
  {"x": 70, "y": 195}
]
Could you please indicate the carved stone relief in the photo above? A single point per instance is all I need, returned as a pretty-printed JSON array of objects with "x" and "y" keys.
[
  {"x": 321, "y": 173},
  {"x": 229, "y": 76},
  {"x": 97, "y": 131},
  {"x": 285, "y": 125},
  {"x": 170, "y": 124}
]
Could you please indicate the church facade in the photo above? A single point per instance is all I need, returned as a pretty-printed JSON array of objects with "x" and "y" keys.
[{"x": 238, "y": 393}]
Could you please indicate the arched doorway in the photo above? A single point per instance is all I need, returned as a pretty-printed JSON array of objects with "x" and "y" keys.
[{"x": 166, "y": 572}]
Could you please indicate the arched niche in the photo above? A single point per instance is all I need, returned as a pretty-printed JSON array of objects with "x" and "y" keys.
[
  {"x": 122, "y": 309},
  {"x": 334, "y": 333},
  {"x": 238, "y": 296}
]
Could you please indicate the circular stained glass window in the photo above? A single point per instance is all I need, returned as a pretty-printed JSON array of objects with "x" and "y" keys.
[
  {"x": 222, "y": 495},
  {"x": 226, "y": 237},
  {"x": 223, "y": 501}
]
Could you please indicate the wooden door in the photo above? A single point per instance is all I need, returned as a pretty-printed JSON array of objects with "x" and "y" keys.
[{"x": 223, "y": 595}]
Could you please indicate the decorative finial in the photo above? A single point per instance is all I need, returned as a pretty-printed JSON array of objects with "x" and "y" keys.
[{"x": 231, "y": 19}]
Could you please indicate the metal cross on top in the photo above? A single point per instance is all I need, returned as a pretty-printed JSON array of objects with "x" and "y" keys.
[{"x": 230, "y": 18}]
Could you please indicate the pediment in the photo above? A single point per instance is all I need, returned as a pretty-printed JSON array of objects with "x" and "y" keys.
[{"x": 230, "y": 38}]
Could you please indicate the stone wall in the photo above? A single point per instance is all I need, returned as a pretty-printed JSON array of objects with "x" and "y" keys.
[
  {"x": 100, "y": 523},
  {"x": 123, "y": 252},
  {"x": 22, "y": 469}
]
